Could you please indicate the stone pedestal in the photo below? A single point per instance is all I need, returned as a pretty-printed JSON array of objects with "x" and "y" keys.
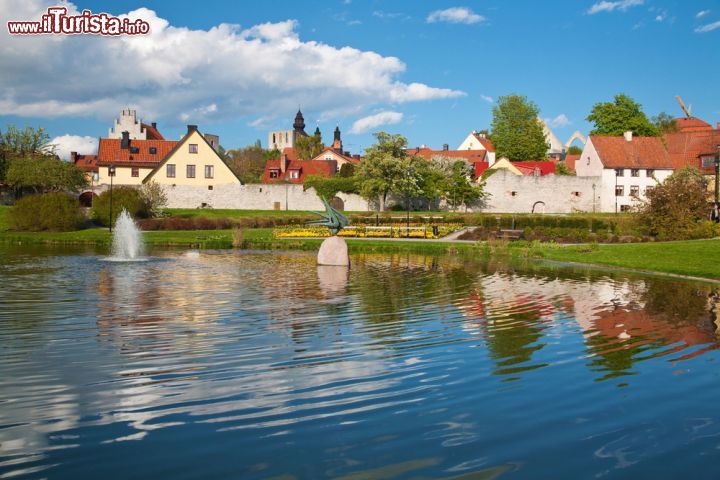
[{"x": 333, "y": 251}]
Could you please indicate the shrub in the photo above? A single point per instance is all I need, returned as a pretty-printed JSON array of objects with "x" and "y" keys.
[
  {"x": 49, "y": 211},
  {"x": 154, "y": 197},
  {"x": 123, "y": 197}
]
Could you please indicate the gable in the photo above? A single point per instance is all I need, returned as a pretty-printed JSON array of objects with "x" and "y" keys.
[{"x": 181, "y": 156}]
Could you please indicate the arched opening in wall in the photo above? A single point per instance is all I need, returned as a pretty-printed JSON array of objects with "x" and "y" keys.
[
  {"x": 86, "y": 199},
  {"x": 538, "y": 207},
  {"x": 337, "y": 203}
]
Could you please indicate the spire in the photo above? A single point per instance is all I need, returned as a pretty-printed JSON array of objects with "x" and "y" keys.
[
  {"x": 299, "y": 124},
  {"x": 317, "y": 131},
  {"x": 337, "y": 143},
  {"x": 337, "y": 133}
]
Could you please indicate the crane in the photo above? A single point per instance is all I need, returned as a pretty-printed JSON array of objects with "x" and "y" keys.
[{"x": 685, "y": 109}]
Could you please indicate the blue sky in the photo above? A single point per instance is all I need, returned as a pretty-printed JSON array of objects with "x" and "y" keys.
[{"x": 429, "y": 70}]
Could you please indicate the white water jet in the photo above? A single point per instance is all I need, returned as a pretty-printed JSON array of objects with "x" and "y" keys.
[{"x": 127, "y": 242}]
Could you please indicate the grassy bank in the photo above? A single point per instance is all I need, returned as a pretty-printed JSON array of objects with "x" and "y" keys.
[{"x": 699, "y": 258}]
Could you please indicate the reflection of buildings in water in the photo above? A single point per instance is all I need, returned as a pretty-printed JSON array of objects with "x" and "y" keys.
[{"x": 614, "y": 315}]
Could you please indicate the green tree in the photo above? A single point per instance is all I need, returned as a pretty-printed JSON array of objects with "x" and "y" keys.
[
  {"x": 574, "y": 150},
  {"x": 48, "y": 211},
  {"x": 665, "y": 123},
  {"x": 153, "y": 196},
  {"x": 622, "y": 115},
  {"x": 309, "y": 147},
  {"x": 383, "y": 167},
  {"x": 460, "y": 190},
  {"x": 43, "y": 173},
  {"x": 248, "y": 163},
  {"x": 127, "y": 198},
  {"x": 674, "y": 208},
  {"x": 516, "y": 131},
  {"x": 15, "y": 143},
  {"x": 347, "y": 170},
  {"x": 562, "y": 169}
]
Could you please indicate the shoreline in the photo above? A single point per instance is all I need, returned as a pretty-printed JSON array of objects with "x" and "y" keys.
[{"x": 688, "y": 259}]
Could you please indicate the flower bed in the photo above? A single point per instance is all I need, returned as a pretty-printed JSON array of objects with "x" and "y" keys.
[{"x": 416, "y": 230}]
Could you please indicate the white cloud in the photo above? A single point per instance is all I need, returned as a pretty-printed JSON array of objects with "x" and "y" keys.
[
  {"x": 487, "y": 98},
  {"x": 708, "y": 28},
  {"x": 64, "y": 144},
  {"x": 366, "y": 124},
  {"x": 702, "y": 13},
  {"x": 621, "y": 5},
  {"x": 558, "y": 122},
  {"x": 176, "y": 74},
  {"x": 455, "y": 15}
]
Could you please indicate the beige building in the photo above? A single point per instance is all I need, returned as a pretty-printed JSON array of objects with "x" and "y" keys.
[{"x": 282, "y": 139}]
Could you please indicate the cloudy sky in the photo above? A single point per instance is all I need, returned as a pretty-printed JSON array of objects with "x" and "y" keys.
[{"x": 429, "y": 70}]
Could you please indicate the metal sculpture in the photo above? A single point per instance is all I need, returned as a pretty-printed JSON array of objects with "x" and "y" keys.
[{"x": 332, "y": 219}]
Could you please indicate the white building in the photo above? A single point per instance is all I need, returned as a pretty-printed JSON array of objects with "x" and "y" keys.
[
  {"x": 128, "y": 122},
  {"x": 282, "y": 139},
  {"x": 628, "y": 167},
  {"x": 479, "y": 141}
]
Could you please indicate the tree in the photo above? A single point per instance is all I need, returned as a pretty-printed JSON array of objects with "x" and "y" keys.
[
  {"x": 574, "y": 150},
  {"x": 309, "y": 147},
  {"x": 347, "y": 170},
  {"x": 562, "y": 169},
  {"x": 665, "y": 123},
  {"x": 248, "y": 163},
  {"x": 42, "y": 173},
  {"x": 15, "y": 143},
  {"x": 154, "y": 197},
  {"x": 383, "y": 167},
  {"x": 622, "y": 115},
  {"x": 516, "y": 131},
  {"x": 674, "y": 208},
  {"x": 460, "y": 190}
]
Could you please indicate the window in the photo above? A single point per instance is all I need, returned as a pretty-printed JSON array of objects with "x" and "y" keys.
[
  {"x": 170, "y": 170},
  {"x": 619, "y": 172},
  {"x": 295, "y": 174},
  {"x": 274, "y": 174},
  {"x": 624, "y": 208},
  {"x": 192, "y": 148},
  {"x": 619, "y": 191},
  {"x": 210, "y": 187},
  {"x": 635, "y": 172},
  {"x": 209, "y": 171},
  {"x": 634, "y": 191},
  {"x": 153, "y": 150},
  {"x": 575, "y": 194},
  {"x": 512, "y": 194},
  {"x": 134, "y": 172},
  {"x": 191, "y": 171},
  {"x": 649, "y": 172},
  {"x": 708, "y": 162},
  {"x": 134, "y": 150},
  {"x": 648, "y": 189},
  {"x": 111, "y": 172}
]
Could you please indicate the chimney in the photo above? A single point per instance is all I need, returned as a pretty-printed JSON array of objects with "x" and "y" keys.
[
  {"x": 125, "y": 142},
  {"x": 356, "y": 156},
  {"x": 283, "y": 163},
  {"x": 446, "y": 147},
  {"x": 154, "y": 124},
  {"x": 417, "y": 149},
  {"x": 73, "y": 157},
  {"x": 191, "y": 128},
  {"x": 628, "y": 136},
  {"x": 346, "y": 153}
]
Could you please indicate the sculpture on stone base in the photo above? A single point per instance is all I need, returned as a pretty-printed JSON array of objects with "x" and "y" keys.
[{"x": 333, "y": 250}]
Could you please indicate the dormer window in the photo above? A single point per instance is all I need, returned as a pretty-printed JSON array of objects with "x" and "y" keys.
[
  {"x": 134, "y": 149},
  {"x": 295, "y": 174},
  {"x": 274, "y": 174},
  {"x": 153, "y": 150}
]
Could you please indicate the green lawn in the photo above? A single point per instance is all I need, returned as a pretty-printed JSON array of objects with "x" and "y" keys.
[
  {"x": 699, "y": 258},
  {"x": 3, "y": 217}
]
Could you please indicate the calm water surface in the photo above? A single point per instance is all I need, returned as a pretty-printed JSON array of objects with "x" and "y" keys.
[{"x": 262, "y": 365}]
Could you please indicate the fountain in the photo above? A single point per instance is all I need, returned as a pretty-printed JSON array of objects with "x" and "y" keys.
[{"x": 127, "y": 243}]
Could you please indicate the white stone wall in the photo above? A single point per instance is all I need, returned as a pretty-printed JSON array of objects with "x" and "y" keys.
[
  {"x": 255, "y": 197},
  {"x": 510, "y": 193}
]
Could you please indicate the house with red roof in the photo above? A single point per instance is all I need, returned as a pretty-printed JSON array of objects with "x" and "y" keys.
[
  {"x": 479, "y": 141},
  {"x": 290, "y": 169},
  {"x": 627, "y": 166}
]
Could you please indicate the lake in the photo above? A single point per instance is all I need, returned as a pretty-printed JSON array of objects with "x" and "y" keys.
[{"x": 235, "y": 364}]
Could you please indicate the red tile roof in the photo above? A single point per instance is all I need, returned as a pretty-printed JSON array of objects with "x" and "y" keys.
[
  {"x": 686, "y": 148},
  {"x": 323, "y": 168},
  {"x": 692, "y": 125},
  {"x": 470, "y": 156},
  {"x": 531, "y": 167},
  {"x": 485, "y": 142},
  {"x": 152, "y": 132},
  {"x": 88, "y": 163},
  {"x": 110, "y": 153},
  {"x": 640, "y": 152},
  {"x": 480, "y": 167},
  {"x": 570, "y": 161}
]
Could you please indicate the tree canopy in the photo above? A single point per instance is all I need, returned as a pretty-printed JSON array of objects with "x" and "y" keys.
[
  {"x": 622, "y": 115},
  {"x": 16, "y": 143},
  {"x": 665, "y": 123},
  {"x": 516, "y": 131},
  {"x": 309, "y": 147},
  {"x": 248, "y": 163},
  {"x": 44, "y": 173},
  {"x": 382, "y": 167}
]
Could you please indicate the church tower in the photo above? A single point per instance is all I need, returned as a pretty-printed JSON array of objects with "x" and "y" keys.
[
  {"x": 299, "y": 125},
  {"x": 337, "y": 142}
]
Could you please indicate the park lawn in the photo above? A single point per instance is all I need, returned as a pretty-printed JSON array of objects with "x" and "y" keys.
[
  {"x": 4, "y": 210},
  {"x": 698, "y": 258}
]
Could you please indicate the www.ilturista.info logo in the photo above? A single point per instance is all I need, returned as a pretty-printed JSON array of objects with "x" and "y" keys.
[{"x": 57, "y": 22}]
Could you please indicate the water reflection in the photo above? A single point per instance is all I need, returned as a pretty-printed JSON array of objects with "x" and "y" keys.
[{"x": 397, "y": 366}]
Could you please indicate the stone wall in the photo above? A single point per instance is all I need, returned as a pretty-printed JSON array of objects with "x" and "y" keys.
[
  {"x": 549, "y": 194},
  {"x": 255, "y": 197}
]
